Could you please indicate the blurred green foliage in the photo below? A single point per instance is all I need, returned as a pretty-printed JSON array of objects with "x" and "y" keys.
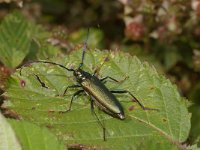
[{"x": 164, "y": 33}]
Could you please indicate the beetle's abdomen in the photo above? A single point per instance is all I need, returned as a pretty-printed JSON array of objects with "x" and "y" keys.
[{"x": 100, "y": 93}]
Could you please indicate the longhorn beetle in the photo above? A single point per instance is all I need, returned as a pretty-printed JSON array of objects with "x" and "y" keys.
[{"x": 96, "y": 90}]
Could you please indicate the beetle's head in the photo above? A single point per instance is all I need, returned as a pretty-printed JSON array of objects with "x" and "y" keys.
[
  {"x": 121, "y": 116},
  {"x": 80, "y": 75}
]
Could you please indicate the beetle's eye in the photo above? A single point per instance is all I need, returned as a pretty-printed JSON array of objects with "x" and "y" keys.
[{"x": 79, "y": 74}]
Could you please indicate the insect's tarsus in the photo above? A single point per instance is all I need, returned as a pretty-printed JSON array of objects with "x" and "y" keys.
[{"x": 42, "y": 83}]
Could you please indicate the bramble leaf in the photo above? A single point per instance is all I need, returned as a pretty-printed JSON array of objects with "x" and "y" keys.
[
  {"x": 168, "y": 127},
  {"x": 34, "y": 137},
  {"x": 8, "y": 139},
  {"x": 15, "y": 40}
]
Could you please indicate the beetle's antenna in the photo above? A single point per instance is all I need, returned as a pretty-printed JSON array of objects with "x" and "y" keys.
[
  {"x": 46, "y": 62},
  {"x": 53, "y": 63},
  {"x": 84, "y": 48}
]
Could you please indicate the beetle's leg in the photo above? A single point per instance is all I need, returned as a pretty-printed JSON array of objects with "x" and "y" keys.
[
  {"x": 71, "y": 86},
  {"x": 101, "y": 124},
  {"x": 113, "y": 79},
  {"x": 70, "y": 104},
  {"x": 107, "y": 77},
  {"x": 97, "y": 70},
  {"x": 42, "y": 83},
  {"x": 134, "y": 98}
]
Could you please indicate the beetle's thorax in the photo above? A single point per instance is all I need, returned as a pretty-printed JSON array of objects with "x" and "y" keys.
[{"x": 81, "y": 75}]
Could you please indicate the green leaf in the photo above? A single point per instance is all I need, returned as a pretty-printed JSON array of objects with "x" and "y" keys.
[
  {"x": 168, "y": 127},
  {"x": 95, "y": 39},
  {"x": 40, "y": 47},
  {"x": 48, "y": 51},
  {"x": 195, "y": 130},
  {"x": 193, "y": 147},
  {"x": 8, "y": 139},
  {"x": 171, "y": 57},
  {"x": 15, "y": 40},
  {"x": 34, "y": 137}
]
